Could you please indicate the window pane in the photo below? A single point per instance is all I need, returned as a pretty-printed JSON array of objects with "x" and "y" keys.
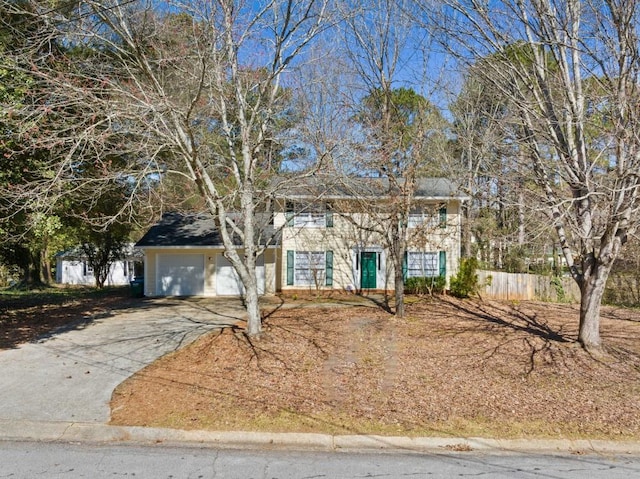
[
  {"x": 422, "y": 264},
  {"x": 309, "y": 268},
  {"x": 415, "y": 220},
  {"x": 431, "y": 264},
  {"x": 414, "y": 264},
  {"x": 302, "y": 259},
  {"x": 316, "y": 259}
]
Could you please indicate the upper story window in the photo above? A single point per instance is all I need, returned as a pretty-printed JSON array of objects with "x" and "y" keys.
[
  {"x": 309, "y": 216},
  {"x": 430, "y": 218},
  {"x": 417, "y": 219},
  {"x": 310, "y": 219}
]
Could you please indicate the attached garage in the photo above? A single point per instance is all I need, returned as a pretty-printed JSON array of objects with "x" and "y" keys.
[
  {"x": 180, "y": 274},
  {"x": 183, "y": 256},
  {"x": 228, "y": 282}
]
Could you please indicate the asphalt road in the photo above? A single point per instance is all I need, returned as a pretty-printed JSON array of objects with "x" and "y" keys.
[{"x": 56, "y": 460}]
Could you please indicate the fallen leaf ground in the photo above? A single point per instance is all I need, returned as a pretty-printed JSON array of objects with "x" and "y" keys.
[
  {"x": 450, "y": 367},
  {"x": 27, "y": 315}
]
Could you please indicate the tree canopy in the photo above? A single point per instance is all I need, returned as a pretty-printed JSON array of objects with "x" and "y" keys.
[{"x": 208, "y": 102}]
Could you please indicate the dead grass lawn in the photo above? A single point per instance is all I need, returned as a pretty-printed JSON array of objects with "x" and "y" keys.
[{"x": 451, "y": 367}]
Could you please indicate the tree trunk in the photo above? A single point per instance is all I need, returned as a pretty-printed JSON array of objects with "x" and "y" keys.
[
  {"x": 398, "y": 249},
  {"x": 591, "y": 293},
  {"x": 399, "y": 289},
  {"x": 34, "y": 270},
  {"x": 521, "y": 218},
  {"x": 45, "y": 261},
  {"x": 466, "y": 230},
  {"x": 100, "y": 279},
  {"x": 46, "y": 271},
  {"x": 254, "y": 320}
]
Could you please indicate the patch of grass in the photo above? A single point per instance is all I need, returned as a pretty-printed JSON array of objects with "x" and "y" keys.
[
  {"x": 281, "y": 421},
  {"x": 527, "y": 429},
  {"x": 292, "y": 421},
  {"x": 412, "y": 299},
  {"x": 56, "y": 294}
]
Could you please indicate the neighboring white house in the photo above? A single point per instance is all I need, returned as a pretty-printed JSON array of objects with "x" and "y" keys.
[
  {"x": 323, "y": 243},
  {"x": 73, "y": 268}
]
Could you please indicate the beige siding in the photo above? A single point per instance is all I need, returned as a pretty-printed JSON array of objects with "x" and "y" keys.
[
  {"x": 346, "y": 238},
  {"x": 271, "y": 271}
]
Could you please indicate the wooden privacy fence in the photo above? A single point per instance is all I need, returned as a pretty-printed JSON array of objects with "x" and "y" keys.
[{"x": 523, "y": 286}]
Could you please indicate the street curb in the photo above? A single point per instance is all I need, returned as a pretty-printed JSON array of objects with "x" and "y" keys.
[{"x": 12, "y": 430}]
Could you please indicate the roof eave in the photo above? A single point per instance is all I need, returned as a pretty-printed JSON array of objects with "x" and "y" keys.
[{"x": 372, "y": 197}]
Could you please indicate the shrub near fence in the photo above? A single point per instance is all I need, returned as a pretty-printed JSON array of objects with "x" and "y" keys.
[
  {"x": 522, "y": 286},
  {"x": 623, "y": 289}
]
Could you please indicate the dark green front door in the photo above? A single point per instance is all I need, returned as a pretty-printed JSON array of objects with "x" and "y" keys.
[{"x": 368, "y": 262}]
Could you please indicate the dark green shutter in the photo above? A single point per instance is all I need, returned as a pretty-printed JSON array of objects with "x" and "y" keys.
[
  {"x": 443, "y": 263},
  {"x": 405, "y": 266},
  {"x": 289, "y": 213},
  {"x": 329, "y": 218},
  {"x": 443, "y": 217},
  {"x": 290, "y": 268},
  {"x": 329, "y": 268}
]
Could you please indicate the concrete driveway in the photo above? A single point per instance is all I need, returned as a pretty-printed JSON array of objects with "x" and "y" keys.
[{"x": 70, "y": 375}]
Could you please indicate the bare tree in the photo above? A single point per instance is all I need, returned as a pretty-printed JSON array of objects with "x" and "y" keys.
[
  {"x": 504, "y": 217},
  {"x": 396, "y": 123},
  {"x": 194, "y": 90},
  {"x": 570, "y": 73}
]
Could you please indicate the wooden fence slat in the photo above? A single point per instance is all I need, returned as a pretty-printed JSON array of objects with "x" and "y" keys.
[{"x": 523, "y": 286}]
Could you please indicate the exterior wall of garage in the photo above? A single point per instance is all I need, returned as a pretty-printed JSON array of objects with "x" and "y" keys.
[{"x": 210, "y": 255}]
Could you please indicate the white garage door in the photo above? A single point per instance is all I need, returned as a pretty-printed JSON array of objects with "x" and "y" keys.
[
  {"x": 228, "y": 282},
  {"x": 180, "y": 274}
]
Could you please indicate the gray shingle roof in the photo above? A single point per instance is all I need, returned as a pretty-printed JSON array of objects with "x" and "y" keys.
[
  {"x": 175, "y": 229},
  {"x": 77, "y": 253},
  {"x": 437, "y": 188},
  {"x": 332, "y": 187},
  {"x": 199, "y": 229}
]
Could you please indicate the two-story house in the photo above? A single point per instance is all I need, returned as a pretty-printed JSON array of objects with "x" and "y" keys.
[
  {"x": 327, "y": 237},
  {"x": 339, "y": 238}
]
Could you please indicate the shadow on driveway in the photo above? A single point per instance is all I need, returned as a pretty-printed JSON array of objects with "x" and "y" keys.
[{"x": 69, "y": 374}]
